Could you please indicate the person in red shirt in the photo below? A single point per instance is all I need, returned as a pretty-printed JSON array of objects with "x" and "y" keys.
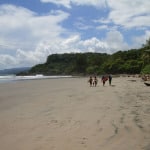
[{"x": 104, "y": 79}]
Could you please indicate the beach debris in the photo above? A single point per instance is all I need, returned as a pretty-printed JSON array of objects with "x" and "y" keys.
[{"x": 147, "y": 84}]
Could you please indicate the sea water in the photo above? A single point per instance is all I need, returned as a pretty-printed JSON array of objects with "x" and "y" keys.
[{"x": 12, "y": 78}]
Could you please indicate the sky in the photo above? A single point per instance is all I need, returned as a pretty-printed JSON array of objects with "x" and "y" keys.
[{"x": 30, "y": 30}]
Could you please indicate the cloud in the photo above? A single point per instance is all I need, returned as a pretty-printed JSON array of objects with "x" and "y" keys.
[
  {"x": 82, "y": 24},
  {"x": 71, "y": 44},
  {"x": 113, "y": 42},
  {"x": 116, "y": 41},
  {"x": 27, "y": 38},
  {"x": 24, "y": 27},
  {"x": 22, "y": 31},
  {"x": 125, "y": 13},
  {"x": 94, "y": 45},
  {"x": 129, "y": 13},
  {"x": 32, "y": 37},
  {"x": 102, "y": 27},
  {"x": 95, "y": 3},
  {"x": 65, "y": 3},
  {"x": 76, "y": 44},
  {"x": 69, "y": 3},
  {"x": 7, "y": 61},
  {"x": 138, "y": 41}
]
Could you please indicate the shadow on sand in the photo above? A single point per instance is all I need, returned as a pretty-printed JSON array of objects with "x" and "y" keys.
[{"x": 113, "y": 85}]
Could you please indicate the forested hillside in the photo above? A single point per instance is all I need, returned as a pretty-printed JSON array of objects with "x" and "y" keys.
[{"x": 133, "y": 61}]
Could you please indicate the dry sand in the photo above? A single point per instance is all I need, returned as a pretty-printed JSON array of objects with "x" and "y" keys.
[{"x": 68, "y": 114}]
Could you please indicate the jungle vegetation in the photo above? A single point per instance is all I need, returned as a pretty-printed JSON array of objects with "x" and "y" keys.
[{"x": 134, "y": 61}]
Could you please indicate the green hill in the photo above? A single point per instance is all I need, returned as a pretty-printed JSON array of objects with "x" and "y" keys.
[{"x": 133, "y": 61}]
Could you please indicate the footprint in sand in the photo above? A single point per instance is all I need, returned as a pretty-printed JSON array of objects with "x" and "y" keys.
[
  {"x": 83, "y": 141},
  {"x": 122, "y": 118},
  {"x": 127, "y": 128},
  {"x": 147, "y": 147},
  {"x": 98, "y": 122}
]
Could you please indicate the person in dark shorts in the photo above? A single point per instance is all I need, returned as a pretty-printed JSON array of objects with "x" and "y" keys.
[
  {"x": 95, "y": 80},
  {"x": 90, "y": 81},
  {"x": 110, "y": 79}
]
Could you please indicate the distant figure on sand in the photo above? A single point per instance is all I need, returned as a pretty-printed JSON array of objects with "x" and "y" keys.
[
  {"x": 104, "y": 79},
  {"x": 110, "y": 78},
  {"x": 95, "y": 80},
  {"x": 90, "y": 81}
]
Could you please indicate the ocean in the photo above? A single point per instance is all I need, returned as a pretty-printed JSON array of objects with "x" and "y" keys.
[{"x": 13, "y": 78}]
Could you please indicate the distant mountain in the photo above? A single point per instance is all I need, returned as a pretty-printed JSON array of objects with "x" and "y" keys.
[{"x": 14, "y": 70}]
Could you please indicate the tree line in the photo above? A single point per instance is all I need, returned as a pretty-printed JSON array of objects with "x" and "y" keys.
[{"x": 134, "y": 61}]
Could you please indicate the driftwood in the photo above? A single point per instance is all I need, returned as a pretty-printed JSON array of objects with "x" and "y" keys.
[{"x": 147, "y": 84}]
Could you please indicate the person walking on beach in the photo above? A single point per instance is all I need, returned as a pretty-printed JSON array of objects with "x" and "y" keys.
[
  {"x": 90, "y": 81},
  {"x": 104, "y": 79},
  {"x": 110, "y": 79},
  {"x": 95, "y": 80}
]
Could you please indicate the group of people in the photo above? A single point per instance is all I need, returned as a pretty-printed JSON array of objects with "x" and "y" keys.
[
  {"x": 93, "y": 80},
  {"x": 105, "y": 78}
]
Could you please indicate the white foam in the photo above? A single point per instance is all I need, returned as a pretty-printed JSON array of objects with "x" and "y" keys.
[{"x": 8, "y": 78}]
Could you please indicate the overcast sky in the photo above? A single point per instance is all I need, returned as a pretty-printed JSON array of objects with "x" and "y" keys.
[{"x": 30, "y": 30}]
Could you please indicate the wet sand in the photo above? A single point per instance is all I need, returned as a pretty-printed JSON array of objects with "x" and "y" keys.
[{"x": 68, "y": 114}]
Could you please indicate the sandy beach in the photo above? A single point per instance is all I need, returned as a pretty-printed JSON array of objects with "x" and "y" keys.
[{"x": 68, "y": 114}]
